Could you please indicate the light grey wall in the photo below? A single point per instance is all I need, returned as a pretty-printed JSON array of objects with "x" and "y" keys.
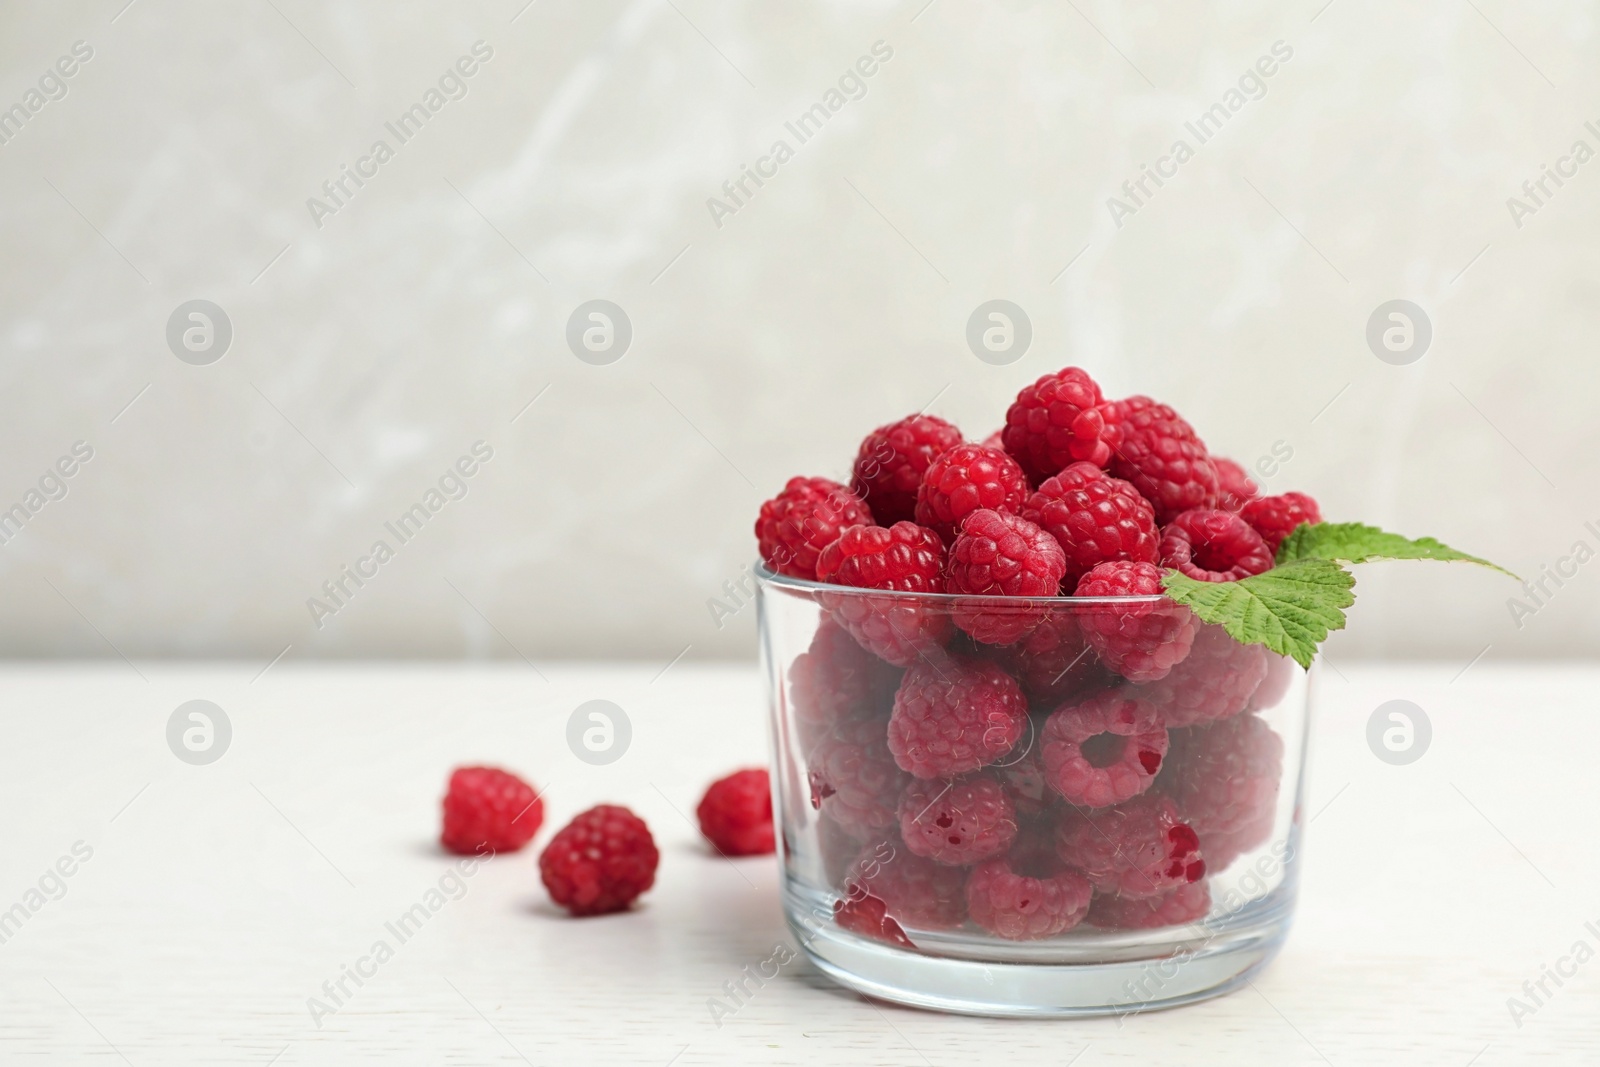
[{"x": 371, "y": 351}]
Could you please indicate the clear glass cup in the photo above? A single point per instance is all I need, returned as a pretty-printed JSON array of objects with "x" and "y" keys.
[{"x": 1030, "y": 806}]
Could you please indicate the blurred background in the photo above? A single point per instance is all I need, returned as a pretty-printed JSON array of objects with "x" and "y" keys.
[{"x": 378, "y": 322}]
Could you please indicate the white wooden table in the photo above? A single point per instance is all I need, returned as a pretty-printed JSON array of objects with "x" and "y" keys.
[{"x": 218, "y": 899}]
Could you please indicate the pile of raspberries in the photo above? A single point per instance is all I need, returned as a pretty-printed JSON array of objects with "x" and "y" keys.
[
  {"x": 1028, "y": 765},
  {"x": 603, "y": 859}
]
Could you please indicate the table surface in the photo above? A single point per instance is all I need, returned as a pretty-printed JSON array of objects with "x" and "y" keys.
[{"x": 216, "y": 900}]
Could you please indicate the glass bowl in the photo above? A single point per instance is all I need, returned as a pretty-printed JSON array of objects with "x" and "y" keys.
[{"x": 1046, "y": 806}]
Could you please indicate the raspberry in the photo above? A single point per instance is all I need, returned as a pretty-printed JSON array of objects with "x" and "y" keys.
[
  {"x": 1137, "y": 849},
  {"x": 801, "y": 521},
  {"x": 1235, "y": 488},
  {"x": 1176, "y": 907},
  {"x": 736, "y": 814},
  {"x": 962, "y": 480},
  {"x": 1275, "y": 517},
  {"x": 1054, "y": 661},
  {"x": 1102, "y": 751},
  {"x": 1163, "y": 458},
  {"x": 1142, "y": 640},
  {"x": 869, "y": 916},
  {"x": 891, "y": 461},
  {"x": 1225, "y": 776},
  {"x": 955, "y": 716},
  {"x": 995, "y": 440},
  {"x": 905, "y": 558},
  {"x": 998, "y": 556},
  {"x": 1028, "y": 894},
  {"x": 1095, "y": 518},
  {"x": 1215, "y": 681},
  {"x": 1280, "y": 675},
  {"x": 1060, "y": 418},
  {"x": 957, "y": 823},
  {"x": 916, "y": 892},
  {"x": 1213, "y": 546},
  {"x": 600, "y": 861},
  {"x": 486, "y": 809},
  {"x": 836, "y": 679},
  {"x": 1228, "y": 847},
  {"x": 854, "y": 779}
]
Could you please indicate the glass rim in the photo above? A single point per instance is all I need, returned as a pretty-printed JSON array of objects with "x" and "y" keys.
[{"x": 765, "y": 576}]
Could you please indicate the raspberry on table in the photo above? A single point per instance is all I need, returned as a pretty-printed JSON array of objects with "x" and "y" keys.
[
  {"x": 1027, "y": 894},
  {"x": 957, "y": 823},
  {"x": 736, "y": 813},
  {"x": 1057, "y": 420},
  {"x": 998, "y": 556},
  {"x": 854, "y": 779},
  {"x": 1275, "y": 517},
  {"x": 1176, "y": 907},
  {"x": 1215, "y": 681},
  {"x": 891, "y": 461},
  {"x": 1235, "y": 487},
  {"x": 1143, "y": 640},
  {"x": 904, "y": 558},
  {"x": 1225, "y": 776},
  {"x": 869, "y": 916},
  {"x": 1095, "y": 518},
  {"x": 1213, "y": 546},
  {"x": 962, "y": 480},
  {"x": 600, "y": 861},
  {"x": 916, "y": 892},
  {"x": 487, "y": 809},
  {"x": 1104, "y": 750},
  {"x": 797, "y": 524},
  {"x": 836, "y": 679},
  {"x": 1139, "y": 848},
  {"x": 955, "y": 716},
  {"x": 1163, "y": 457}
]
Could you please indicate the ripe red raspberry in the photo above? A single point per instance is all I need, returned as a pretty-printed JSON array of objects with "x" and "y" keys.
[
  {"x": 1054, "y": 662},
  {"x": 736, "y": 814},
  {"x": 600, "y": 861},
  {"x": 1275, "y": 517},
  {"x": 1235, "y": 487},
  {"x": 955, "y": 716},
  {"x": 1141, "y": 640},
  {"x": 1213, "y": 546},
  {"x": 489, "y": 810},
  {"x": 1095, "y": 518},
  {"x": 1058, "y": 419},
  {"x": 916, "y": 892},
  {"x": 1028, "y": 894},
  {"x": 963, "y": 479},
  {"x": 854, "y": 779},
  {"x": 1177, "y": 907},
  {"x": 998, "y": 556},
  {"x": 801, "y": 521},
  {"x": 1163, "y": 458},
  {"x": 904, "y": 558},
  {"x": 1280, "y": 675},
  {"x": 1215, "y": 681},
  {"x": 1137, "y": 849},
  {"x": 869, "y": 916},
  {"x": 1225, "y": 776},
  {"x": 1102, "y": 751},
  {"x": 836, "y": 679},
  {"x": 957, "y": 823},
  {"x": 891, "y": 461}
]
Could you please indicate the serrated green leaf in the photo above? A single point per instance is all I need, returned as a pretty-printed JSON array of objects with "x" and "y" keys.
[
  {"x": 1355, "y": 542},
  {"x": 1290, "y": 608}
]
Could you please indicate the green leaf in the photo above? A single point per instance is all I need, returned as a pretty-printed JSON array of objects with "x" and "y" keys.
[
  {"x": 1290, "y": 608},
  {"x": 1355, "y": 542}
]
